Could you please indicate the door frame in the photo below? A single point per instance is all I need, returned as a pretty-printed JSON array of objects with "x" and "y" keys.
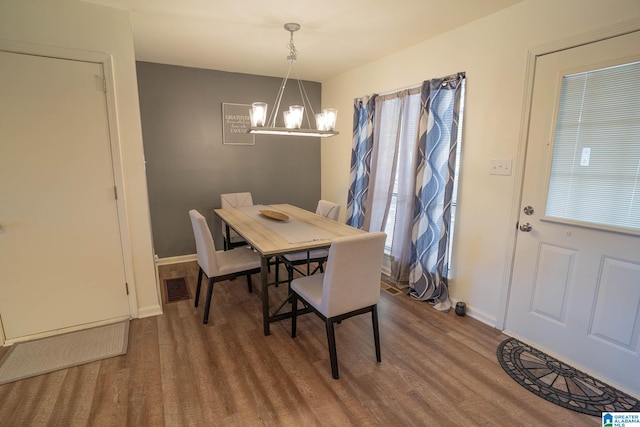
[
  {"x": 604, "y": 33},
  {"x": 106, "y": 60}
]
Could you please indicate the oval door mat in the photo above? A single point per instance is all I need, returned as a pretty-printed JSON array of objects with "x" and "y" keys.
[{"x": 560, "y": 383}]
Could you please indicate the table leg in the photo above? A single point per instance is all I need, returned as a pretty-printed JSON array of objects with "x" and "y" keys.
[{"x": 264, "y": 281}]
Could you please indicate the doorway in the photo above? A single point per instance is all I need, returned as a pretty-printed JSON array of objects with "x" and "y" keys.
[
  {"x": 61, "y": 252},
  {"x": 575, "y": 285}
]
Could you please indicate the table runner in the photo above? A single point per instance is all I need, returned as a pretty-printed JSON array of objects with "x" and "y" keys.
[{"x": 291, "y": 230}]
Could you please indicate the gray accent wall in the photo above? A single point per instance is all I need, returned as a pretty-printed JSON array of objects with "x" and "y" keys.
[{"x": 187, "y": 164}]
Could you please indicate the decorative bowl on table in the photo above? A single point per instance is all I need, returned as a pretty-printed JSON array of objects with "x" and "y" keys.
[{"x": 278, "y": 216}]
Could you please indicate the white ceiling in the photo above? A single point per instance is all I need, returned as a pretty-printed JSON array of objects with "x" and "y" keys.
[{"x": 247, "y": 36}]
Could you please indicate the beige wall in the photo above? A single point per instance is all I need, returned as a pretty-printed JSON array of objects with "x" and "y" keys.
[
  {"x": 75, "y": 25},
  {"x": 493, "y": 52}
]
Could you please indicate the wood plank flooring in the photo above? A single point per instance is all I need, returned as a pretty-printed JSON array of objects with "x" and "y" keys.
[{"x": 437, "y": 369}]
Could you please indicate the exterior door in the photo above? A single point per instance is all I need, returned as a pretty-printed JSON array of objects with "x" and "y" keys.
[
  {"x": 575, "y": 287},
  {"x": 61, "y": 258}
]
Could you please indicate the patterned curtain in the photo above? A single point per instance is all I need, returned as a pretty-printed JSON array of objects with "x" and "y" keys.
[
  {"x": 438, "y": 135},
  {"x": 363, "y": 125}
]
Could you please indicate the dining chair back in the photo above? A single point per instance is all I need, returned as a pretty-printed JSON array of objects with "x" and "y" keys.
[
  {"x": 205, "y": 246},
  {"x": 232, "y": 239},
  {"x": 350, "y": 286},
  {"x": 219, "y": 265},
  {"x": 328, "y": 209},
  {"x": 292, "y": 261}
]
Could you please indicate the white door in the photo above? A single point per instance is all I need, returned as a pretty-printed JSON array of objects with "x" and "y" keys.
[
  {"x": 575, "y": 288},
  {"x": 61, "y": 259}
]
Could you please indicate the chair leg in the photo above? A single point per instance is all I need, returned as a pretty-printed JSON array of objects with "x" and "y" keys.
[
  {"x": 333, "y": 355},
  {"x": 294, "y": 313},
  {"x": 319, "y": 268},
  {"x": 207, "y": 305},
  {"x": 376, "y": 331},
  {"x": 290, "y": 278},
  {"x": 227, "y": 238},
  {"x": 197, "y": 298},
  {"x": 249, "y": 285}
]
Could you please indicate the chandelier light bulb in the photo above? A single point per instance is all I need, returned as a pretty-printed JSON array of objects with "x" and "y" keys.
[
  {"x": 258, "y": 114},
  {"x": 330, "y": 116},
  {"x": 289, "y": 121},
  {"x": 320, "y": 122},
  {"x": 296, "y": 113}
]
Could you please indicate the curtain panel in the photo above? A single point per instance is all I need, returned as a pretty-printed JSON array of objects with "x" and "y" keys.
[
  {"x": 402, "y": 179},
  {"x": 392, "y": 184},
  {"x": 363, "y": 128},
  {"x": 437, "y": 143}
]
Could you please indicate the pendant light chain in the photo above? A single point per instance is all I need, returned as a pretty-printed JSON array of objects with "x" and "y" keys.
[
  {"x": 293, "y": 52},
  {"x": 292, "y": 58}
]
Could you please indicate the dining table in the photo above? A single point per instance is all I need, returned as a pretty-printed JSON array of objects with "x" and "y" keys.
[{"x": 279, "y": 229}]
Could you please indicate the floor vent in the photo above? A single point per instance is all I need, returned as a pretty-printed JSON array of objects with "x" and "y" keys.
[
  {"x": 177, "y": 289},
  {"x": 390, "y": 289}
]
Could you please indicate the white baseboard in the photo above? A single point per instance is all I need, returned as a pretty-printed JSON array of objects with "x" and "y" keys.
[
  {"x": 176, "y": 259},
  {"x": 149, "y": 311},
  {"x": 478, "y": 315}
]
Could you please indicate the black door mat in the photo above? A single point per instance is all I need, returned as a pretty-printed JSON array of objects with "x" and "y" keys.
[
  {"x": 560, "y": 383},
  {"x": 177, "y": 289}
]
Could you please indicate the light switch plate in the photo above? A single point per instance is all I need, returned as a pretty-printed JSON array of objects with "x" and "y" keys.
[{"x": 500, "y": 167}]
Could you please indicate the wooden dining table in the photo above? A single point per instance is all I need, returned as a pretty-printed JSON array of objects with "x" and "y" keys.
[{"x": 275, "y": 230}]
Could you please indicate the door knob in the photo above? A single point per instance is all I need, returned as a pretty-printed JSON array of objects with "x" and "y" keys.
[
  {"x": 528, "y": 210},
  {"x": 526, "y": 227}
]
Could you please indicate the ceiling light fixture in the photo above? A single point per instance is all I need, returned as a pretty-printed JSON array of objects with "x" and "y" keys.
[{"x": 293, "y": 117}]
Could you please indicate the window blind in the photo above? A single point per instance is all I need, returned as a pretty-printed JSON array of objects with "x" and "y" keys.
[{"x": 595, "y": 174}]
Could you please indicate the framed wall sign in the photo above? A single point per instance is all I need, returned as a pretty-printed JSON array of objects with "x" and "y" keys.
[{"x": 235, "y": 123}]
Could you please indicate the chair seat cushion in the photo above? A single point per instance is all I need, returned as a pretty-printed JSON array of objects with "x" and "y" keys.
[
  {"x": 302, "y": 256},
  {"x": 310, "y": 289},
  {"x": 235, "y": 260}
]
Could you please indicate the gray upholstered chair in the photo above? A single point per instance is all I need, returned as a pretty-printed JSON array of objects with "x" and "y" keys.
[
  {"x": 292, "y": 261},
  {"x": 350, "y": 286},
  {"x": 219, "y": 265},
  {"x": 328, "y": 209},
  {"x": 232, "y": 239}
]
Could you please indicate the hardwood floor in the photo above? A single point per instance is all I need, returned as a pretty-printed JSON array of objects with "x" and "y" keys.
[{"x": 437, "y": 369}]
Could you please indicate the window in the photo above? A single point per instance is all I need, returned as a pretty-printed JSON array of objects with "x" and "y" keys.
[
  {"x": 388, "y": 127},
  {"x": 405, "y": 127},
  {"x": 595, "y": 175},
  {"x": 454, "y": 197}
]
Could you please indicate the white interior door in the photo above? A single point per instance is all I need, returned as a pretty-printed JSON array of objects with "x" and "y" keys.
[
  {"x": 61, "y": 258},
  {"x": 575, "y": 289}
]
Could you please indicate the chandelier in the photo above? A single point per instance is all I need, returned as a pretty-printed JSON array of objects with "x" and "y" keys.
[{"x": 325, "y": 121}]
